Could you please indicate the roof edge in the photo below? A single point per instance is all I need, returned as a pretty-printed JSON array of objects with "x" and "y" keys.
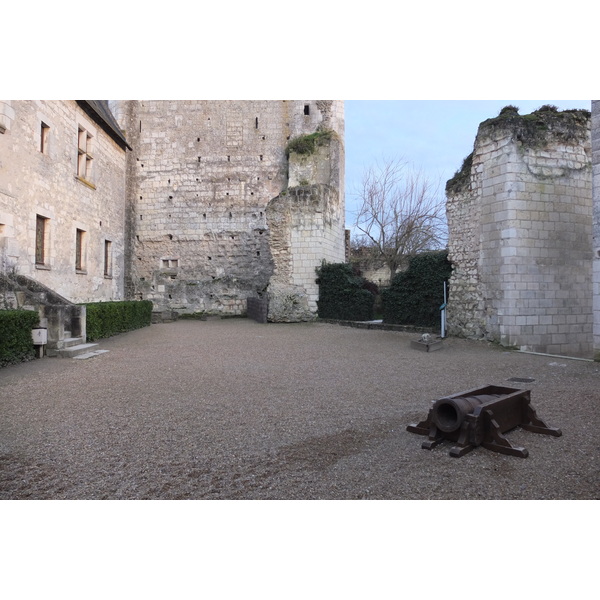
[{"x": 101, "y": 113}]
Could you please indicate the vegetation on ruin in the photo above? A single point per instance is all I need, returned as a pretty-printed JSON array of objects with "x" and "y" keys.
[
  {"x": 460, "y": 182},
  {"x": 538, "y": 128},
  {"x": 534, "y": 130},
  {"x": 16, "y": 344},
  {"x": 344, "y": 293},
  {"x": 415, "y": 295},
  {"x": 104, "y": 319},
  {"x": 308, "y": 144}
]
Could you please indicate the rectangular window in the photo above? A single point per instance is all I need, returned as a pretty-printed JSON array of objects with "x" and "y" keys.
[
  {"x": 107, "y": 258},
  {"x": 84, "y": 155},
  {"x": 41, "y": 240},
  {"x": 80, "y": 250},
  {"x": 45, "y": 130}
]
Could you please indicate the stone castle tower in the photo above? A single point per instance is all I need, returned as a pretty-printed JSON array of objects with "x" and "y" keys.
[
  {"x": 221, "y": 210},
  {"x": 520, "y": 224}
]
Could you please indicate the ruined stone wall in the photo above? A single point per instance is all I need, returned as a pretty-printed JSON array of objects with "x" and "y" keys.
[
  {"x": 306, "y": 227},
  {"x": 371, "y": 266},
  {"x": 520, "y": 234},
  {"x": 466, "y": 312},
  {"x": 201, "y": 178},
  {"x": 43, "y": 181},
  {"x": 596, "y": 223}
]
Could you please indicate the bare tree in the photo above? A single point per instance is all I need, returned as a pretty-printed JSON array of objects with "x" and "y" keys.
[{"x": 401, "y": 213}]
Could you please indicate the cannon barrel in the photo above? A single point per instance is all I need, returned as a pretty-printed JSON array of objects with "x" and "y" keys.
[{"x": 448, "y": 414}]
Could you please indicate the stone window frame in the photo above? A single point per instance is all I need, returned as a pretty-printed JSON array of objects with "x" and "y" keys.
[
  {"x": 44, "y": 137},
  {"x": 169, "y": 263},
  {"x": 108, "y": 266},
  {"x": 42, "y": 242},
  {"x": 80, "y": 251},
  {"x": 85, "y": 157}
]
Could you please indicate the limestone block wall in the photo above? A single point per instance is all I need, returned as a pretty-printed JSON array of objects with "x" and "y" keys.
[
  {"x": 306, "y": 227},
  {"x": 39, "y": 150},
  {"x": 200, "y": 179},
  {"x": 317, "y": 235},
  {"x": 521, "y": 235},
  {"x": 596, "y": 223},
  {"x": 7, "y": 115}
]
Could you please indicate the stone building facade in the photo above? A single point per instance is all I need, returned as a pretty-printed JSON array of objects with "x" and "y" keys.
[
  {"x": 62, "y": 191},
  {"x": 195, "y": 205},
  {"x": 520, "y": 234},
  {"x": 219, "y": 212}
]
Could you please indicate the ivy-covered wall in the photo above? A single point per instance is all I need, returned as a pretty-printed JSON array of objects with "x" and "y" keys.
[
  {"x": 415, "y": 295},
  {"x": 343, "y": 294}
]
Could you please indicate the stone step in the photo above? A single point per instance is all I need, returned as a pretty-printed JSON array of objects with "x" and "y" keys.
[
  {"x": 86, "y": 355},
  {"x": 72, "y": 341},
  {"x": 73, "y": 351}
]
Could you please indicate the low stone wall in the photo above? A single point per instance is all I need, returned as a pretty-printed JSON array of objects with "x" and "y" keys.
[{"x": 380, "y": 326}]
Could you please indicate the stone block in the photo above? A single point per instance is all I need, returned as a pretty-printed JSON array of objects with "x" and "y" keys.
[{"x": 424, "y": 346}]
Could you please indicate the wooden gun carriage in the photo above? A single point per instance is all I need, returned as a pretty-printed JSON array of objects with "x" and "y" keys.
[{"x": 480, "y": 417}]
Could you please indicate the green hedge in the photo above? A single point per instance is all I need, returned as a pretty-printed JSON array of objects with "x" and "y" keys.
[
  {"x": 104, "y": 319},
  {"x": 343, "y": 294},
  {"x": 16, "y": 344},
  {"x": 415, "y": 295}
]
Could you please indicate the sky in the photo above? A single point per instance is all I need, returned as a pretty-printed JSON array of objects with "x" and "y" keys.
[{"x": 431, "y": 135}]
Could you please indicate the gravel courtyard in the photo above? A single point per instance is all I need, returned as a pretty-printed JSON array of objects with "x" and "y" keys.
[{"x": 233, "y": 409}]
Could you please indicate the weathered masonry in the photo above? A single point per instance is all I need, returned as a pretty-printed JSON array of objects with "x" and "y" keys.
[
  {"x": 195, "y": 205},
  {"x": 596, "y": 223},
  {"x": 230, "y": 200},
  {"x": 520, "y": 234}
]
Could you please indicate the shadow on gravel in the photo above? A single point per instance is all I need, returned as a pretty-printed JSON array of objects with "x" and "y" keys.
[{"x": 322, "y": 452}]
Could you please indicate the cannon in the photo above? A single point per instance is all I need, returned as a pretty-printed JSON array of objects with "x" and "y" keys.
[{"x": 480, "y": 417}]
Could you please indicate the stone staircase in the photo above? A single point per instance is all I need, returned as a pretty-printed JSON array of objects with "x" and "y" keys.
[
  {"x": 65, "y": 321},
  {"x": 75, "y": 347}
]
